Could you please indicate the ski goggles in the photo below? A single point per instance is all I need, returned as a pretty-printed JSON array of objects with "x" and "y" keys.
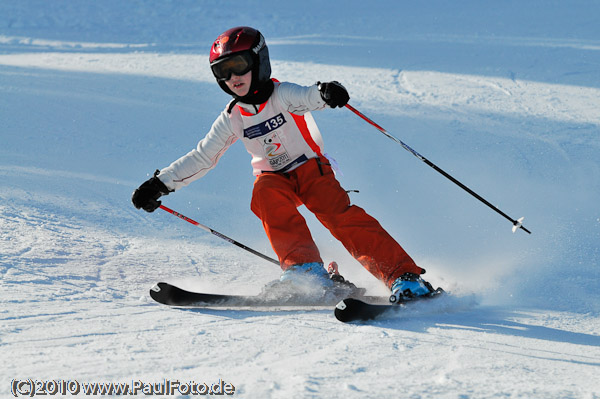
[{"x": 238, "y": 64}]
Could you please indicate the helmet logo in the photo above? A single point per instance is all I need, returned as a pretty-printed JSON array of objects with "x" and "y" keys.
[
  {"x": 261, "y": 44},
  {"x": 218, "y": 45}
]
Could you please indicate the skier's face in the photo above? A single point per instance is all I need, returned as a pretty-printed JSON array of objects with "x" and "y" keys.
[{"x": 240, "y": 85}]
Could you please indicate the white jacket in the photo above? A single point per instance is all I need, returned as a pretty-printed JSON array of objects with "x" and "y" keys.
[{"x": 280, "y": 135}]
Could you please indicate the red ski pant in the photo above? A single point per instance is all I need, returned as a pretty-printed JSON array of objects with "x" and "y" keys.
[{"x": 276, "y": 197}]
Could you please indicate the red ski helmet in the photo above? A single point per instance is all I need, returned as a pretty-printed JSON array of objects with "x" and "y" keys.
[{"x": 239, "y": 50}]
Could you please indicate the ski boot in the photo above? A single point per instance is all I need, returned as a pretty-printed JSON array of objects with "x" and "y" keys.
[
  {"x": 312, "y": 273},
  {"x": 299, "y": 281},
  {"x": 311, "y": 280},
  {"x": 408, "y": 286}
]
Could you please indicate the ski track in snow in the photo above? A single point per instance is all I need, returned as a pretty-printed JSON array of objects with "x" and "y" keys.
[{"x": 507, "y": 101}]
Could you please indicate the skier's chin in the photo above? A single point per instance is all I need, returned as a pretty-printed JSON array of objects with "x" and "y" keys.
[{"x": 240, "y": 90}]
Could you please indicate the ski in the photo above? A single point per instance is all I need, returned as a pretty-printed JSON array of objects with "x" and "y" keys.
[
  {"x": 172, "y": 295},
  {"x": 353, "y": 309}
]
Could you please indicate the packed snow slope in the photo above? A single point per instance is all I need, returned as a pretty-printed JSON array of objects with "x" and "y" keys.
[{"x": 505, "y": 96}]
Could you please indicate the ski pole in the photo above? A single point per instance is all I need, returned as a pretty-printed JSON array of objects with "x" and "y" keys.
[
  {"x": 216, "y": 233},
  {"x": 517, "y": 224}
]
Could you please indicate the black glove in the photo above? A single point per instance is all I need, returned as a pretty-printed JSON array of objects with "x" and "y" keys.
[
  {"x": 146, "y": 196},
  {"x": 333, "y": 93}
]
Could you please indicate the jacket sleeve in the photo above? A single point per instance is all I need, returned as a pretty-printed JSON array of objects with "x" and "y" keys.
[
  {"x": 203, "y": 158},
  {"x": 300, "y": 99}
]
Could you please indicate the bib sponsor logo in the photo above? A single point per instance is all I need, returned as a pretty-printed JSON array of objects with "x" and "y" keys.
[
  {"x": 265, "y": 127},
  {"x": 275, "y": 151}
]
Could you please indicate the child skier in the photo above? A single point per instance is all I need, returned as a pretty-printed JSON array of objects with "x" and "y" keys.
[{"x": 273, "y": 121}]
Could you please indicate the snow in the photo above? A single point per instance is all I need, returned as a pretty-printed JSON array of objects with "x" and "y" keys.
[{"x": 504, "y": 96}]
